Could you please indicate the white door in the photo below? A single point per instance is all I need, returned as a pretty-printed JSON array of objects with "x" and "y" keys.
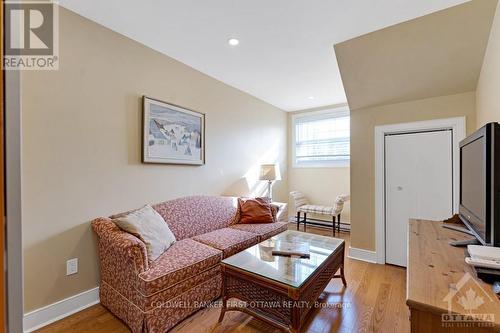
[{"x": 418, "y": 184}]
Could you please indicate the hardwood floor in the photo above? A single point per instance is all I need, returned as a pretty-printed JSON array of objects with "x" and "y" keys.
[{"x": 374, "y": 301}]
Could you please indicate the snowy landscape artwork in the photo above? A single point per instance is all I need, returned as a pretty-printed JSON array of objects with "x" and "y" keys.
[{"x": 172, "y": 134}]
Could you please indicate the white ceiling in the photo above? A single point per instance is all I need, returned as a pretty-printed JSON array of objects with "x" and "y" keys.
[{"x": 286, "y": 50}]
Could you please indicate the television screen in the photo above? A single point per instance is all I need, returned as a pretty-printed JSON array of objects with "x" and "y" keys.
[{"x": 473, "y": 183}]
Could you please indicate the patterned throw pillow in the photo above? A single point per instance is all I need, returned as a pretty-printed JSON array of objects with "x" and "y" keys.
[
  {"x": 150, "y": 227},
  {"x": 256, "y": 210}
]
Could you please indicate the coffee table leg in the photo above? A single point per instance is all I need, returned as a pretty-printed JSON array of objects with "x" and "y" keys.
[
  {"x": 224, "y": 295},
  {"x": 342, "y": 275},
  {"x": 223, "y": 308},
  {"x": 294, "y": 326}
]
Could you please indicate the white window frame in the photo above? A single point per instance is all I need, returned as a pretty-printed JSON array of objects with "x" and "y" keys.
[{"x": 335, "y": 112}]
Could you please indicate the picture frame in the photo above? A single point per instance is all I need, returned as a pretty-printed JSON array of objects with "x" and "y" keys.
[{"x": 172, "y": 134}]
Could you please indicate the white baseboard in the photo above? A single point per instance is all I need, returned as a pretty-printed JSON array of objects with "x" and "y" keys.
[
  {"x": 48, "y": 314},
  {"x": 362, "y": 254}
]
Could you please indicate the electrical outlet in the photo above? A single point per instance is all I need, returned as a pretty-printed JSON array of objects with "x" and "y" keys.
[{"x": 72, "y": 266}]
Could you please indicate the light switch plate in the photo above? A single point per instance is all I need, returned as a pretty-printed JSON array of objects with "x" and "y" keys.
[{"x": 72, "y": 266}]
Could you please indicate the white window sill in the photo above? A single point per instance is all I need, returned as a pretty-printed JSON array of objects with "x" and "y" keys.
[{"x": 330, "y": 164}]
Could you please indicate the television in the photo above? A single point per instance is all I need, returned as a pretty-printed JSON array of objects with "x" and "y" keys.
[{"x": 480, "y": 184}]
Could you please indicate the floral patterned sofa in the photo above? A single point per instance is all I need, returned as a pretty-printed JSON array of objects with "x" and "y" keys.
[{"x": 153, "y": 296}]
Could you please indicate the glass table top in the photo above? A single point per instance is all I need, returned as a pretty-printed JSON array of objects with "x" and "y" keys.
[{"x": 292, "y": 271}]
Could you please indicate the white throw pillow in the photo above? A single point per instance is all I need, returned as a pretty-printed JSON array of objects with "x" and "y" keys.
[{"x": 150, "y": 227}]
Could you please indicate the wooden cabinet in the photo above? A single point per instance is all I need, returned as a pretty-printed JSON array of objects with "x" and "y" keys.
[{"x": 443, "y": 292}]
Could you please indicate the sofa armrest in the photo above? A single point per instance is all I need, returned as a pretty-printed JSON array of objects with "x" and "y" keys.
[
  {"x": 275, "y": 209},
  {"x": 119, "y": 251}
]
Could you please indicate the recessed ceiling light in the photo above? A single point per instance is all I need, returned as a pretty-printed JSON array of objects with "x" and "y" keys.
[
  {"x": 310, "y": 97},
  {"x": 233, "y": 41}
]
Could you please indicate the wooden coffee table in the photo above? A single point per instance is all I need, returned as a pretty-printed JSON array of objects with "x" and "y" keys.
[{"x": 281, "y": 290}]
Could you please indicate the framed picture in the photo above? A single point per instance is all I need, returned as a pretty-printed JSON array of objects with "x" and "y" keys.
[{"x": 172, "y": 134}]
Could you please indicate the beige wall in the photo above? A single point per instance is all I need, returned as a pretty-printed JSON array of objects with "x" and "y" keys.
[
  {"x": 433, "y": 55},
  {"x": 487, "y": 93},
  {"x": 363, "y": 122},
  {"x": 320, "y": 185},
  {"x": 81, "y": 133}
]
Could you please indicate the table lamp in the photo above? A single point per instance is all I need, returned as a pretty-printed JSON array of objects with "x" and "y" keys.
[{"x": 270, "y": 172}]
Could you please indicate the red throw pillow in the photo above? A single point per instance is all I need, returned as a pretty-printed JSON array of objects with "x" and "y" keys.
[{"x": 256, "y": 210}]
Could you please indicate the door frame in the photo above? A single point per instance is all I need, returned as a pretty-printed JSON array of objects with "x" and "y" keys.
[{"x": 456, "y": 125}]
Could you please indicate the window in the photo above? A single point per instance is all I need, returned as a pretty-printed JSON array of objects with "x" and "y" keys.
[{"x": 321, "y": 139}]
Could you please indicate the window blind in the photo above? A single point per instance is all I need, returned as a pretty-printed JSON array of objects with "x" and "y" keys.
[{"x": 322, "y": 139}]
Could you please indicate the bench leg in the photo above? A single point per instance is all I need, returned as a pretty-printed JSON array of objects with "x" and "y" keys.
[
  {"x": 298, "y": 220},
  {"x": 338, "y": 223},
  {"x": 333, "y": 225},
  {"x": 305, "y": 220}
]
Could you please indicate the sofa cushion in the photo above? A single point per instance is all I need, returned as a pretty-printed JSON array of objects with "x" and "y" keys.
[
  {"x": 184, "y": 259},
  {"x": 264, "y": 231},
  {"x": 195, "y": 215},
  {"x": 228, "y": 240}
]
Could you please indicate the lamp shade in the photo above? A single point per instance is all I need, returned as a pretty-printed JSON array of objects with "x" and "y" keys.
[{"x": 270, "y": 172}]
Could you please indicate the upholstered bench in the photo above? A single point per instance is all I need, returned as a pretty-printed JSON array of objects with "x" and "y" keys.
[{"x": 302, "y": 206}]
